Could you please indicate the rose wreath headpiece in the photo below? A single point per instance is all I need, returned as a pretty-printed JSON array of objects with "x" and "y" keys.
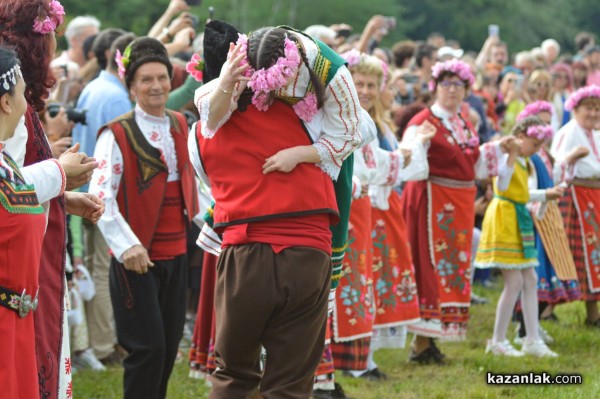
[
  {"x": 266, "y": 80},
  {"x": 583, "y": 93},
  {"x": 534, "y": 109},
  {"x": 540, "y": 132},
  {"x": 457, "y": 67},
  {"x": 51, "y": 21}
]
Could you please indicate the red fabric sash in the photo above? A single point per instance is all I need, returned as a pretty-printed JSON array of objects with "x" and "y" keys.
[
  {"x": 587, "y": 203},
  {"x": 396, "y": 298},
  {"x": 354, "y": 310},
  {"x": 450, "y": 216}
]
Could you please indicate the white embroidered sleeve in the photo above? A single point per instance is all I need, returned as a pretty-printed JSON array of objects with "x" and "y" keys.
[
  {"x": 418, "y": 168},
  {"x": 341, "y": 122},
  {"x": 489, "y": 159},
  {"x": 105, "y": 184},
  {"x": 387, "y": 171},
  {"x": 202, "y": 102},
  {"x": 47, "y": 177},
  {"x": 17, "y": 144}
]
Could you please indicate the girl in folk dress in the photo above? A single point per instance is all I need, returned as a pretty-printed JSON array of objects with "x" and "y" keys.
[{"x": 507, "y": 240}]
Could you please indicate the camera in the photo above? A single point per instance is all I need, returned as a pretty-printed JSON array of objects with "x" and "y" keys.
[{"x": 73, "y": 114}]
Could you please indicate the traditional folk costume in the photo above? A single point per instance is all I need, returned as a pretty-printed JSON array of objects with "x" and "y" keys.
[
  {"x": 439, "y": 214},
  {"x": 507, "y": 239},
  {"x": 23, "y": 223},
  {"x": 51, "y": 332},
  {"x": 144, "y": 160},
  {"x": 396, "y": 299},
  {"x": 357, "y": 303},
  {"x": 340, "y": 140},
  {"x": 581, "y": 206}
]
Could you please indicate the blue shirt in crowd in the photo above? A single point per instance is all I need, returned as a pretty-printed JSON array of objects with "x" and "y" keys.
[{"x": 104, "y": 98}]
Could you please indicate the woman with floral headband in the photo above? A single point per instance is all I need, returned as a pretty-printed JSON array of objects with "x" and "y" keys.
[
  {"x": 507, "y": 240},
  {"x": 280, "y": 208},
  {"x": 445, "y": 204},
  {"x": 29, "y": 27},
  {"x": 576, "y": 147},
  {"x": 370, "y": 299}
]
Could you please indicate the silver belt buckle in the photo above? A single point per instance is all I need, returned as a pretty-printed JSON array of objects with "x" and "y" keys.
[{"x": 26, "y": 305}]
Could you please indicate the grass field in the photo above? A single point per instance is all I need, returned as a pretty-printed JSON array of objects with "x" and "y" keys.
[{"x": 463, "y": 377}]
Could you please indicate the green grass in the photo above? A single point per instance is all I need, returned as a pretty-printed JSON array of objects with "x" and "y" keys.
[{"x": 463, "y": 377}]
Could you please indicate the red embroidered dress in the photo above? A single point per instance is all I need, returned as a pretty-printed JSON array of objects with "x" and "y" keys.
[
  {"x": 440, "y": 214},
  {"x": 22, "y": 222}
]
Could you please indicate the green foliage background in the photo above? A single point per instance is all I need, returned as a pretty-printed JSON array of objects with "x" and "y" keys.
[{"x": 523, "y": 23}]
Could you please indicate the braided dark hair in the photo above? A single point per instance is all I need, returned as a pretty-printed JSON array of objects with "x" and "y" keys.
[{"x": 265, "y": 46}]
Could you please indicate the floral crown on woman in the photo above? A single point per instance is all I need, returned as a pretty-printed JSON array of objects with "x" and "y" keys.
[
  {"x": 457, "y": 67},
  {"x": 53, "y": 20},
  {"x": 266, "y": 80},
  {"x": 354, "y": 57},
  {"x": 540, "y": 132},
  {"x": 581, "y": 94},
  {"x": 534, "y": 109}
]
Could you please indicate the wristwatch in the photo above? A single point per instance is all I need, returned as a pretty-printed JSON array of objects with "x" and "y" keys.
[{"x": 166, "y": 32}]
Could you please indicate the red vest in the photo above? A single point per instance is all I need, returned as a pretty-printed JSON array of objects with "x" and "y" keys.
[
  {"x": 446, "y": 158},
  {"x": 143, "y": 186},
  {"x": 233, "y": 160}
]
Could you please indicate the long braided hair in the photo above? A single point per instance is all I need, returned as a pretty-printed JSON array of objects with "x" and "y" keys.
[{"x": 265, "y": 46}]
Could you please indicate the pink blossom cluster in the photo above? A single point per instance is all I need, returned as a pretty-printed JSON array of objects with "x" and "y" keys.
[
  {"x": 52, "y": 21},
  {"x": 534, "y": 109},
  {"x": 540, "y": 132},
  {"x": 352, "y": 57},
  {"x": 585, "y": 92},
  {"x": 263, "y": 81},
  {"x": 120, "y": 64},
  {"x": 457, "y": 67},
  {"x": 276, "y": 76},
  {"x": 195, "y": 67}
]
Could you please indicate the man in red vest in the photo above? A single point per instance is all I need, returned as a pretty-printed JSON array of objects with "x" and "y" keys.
[{"x": 146, "y": 179}]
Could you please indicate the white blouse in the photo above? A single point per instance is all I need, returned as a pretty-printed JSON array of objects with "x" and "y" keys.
[
  {"x": 487, "y": 164},
  {"x": 334, "y": 129},
  {"x": 568, "y": 138},
  {"x": 107, "y": 178}
]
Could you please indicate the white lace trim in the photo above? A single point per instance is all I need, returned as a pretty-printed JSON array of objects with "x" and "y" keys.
[{"x": 327, "y": 164}]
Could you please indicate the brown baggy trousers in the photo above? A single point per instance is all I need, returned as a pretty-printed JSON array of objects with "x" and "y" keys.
[{"x": 275, "y": 300}]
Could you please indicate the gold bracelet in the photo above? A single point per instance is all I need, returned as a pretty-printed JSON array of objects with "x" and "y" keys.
[{"x": 224, "y": 91}]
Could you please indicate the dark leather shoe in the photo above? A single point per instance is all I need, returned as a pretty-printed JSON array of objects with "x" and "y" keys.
[
  {"x": 431, "y": 355},
  {"x": 375, "y": 375},
  {"x": 337, "y": 393}
]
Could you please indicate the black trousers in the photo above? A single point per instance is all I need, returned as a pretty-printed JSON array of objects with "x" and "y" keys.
[{"x": 149, "y": 314}]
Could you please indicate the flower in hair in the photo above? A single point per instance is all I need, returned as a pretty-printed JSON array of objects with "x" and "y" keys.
[
  {"x": 457, "y": 67},
  {"x": 540, "y": 132},
  {"x": 123, "y": 61},
  {"x": 195, "y": 67},
  {"x": 535, "y": 108},
  {"x": 243, "y": 42},
  {"x": 352, "y": 57},
  {"x": 306, "y": 108},
  {"x": 276, "y": 76},
  {"x": 49, "y": 24},
  {"x": 583, "y": 93}
]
